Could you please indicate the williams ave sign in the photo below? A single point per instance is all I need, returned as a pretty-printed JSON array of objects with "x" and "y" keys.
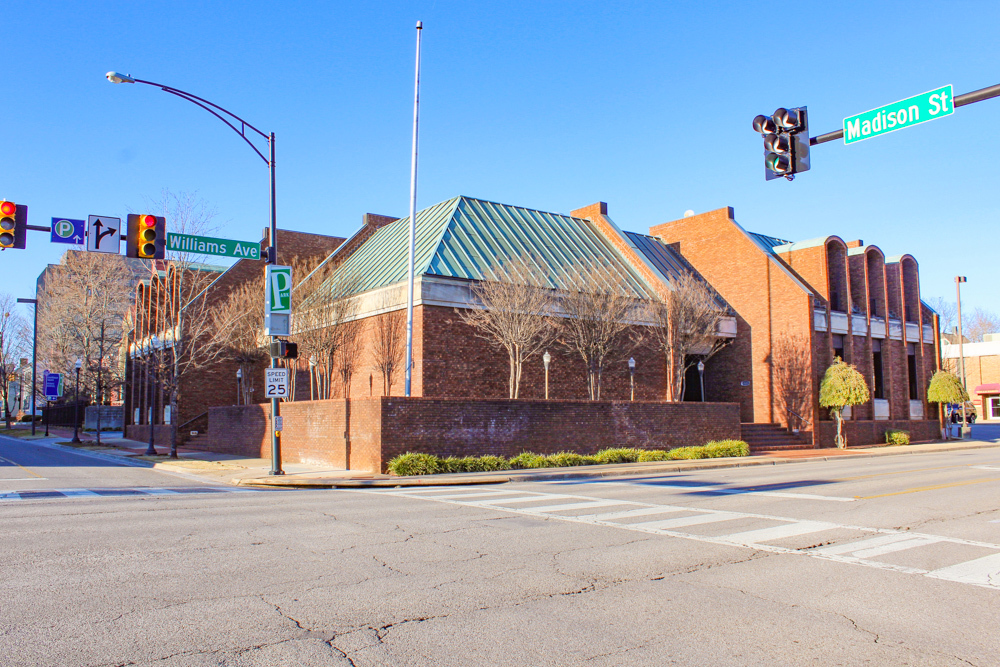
[
  {"x": 914, "y": 110},
  {"x": 206, "y": 245}
]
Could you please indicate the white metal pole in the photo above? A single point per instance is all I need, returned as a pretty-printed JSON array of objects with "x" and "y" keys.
[{"x": 413, "y": 216}]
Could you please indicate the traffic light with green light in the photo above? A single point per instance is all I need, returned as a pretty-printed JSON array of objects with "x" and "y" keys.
[
  {"x": 13, "y": 225},
  {"x": 786, "y": 142},
  {"x": 146, "y": 236}
]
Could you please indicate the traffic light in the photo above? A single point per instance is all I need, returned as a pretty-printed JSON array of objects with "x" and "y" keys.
[
  {"x": 13, "y": 225},
  {"x": 786, "y": 142},
  {"x": 282, "y": 349},
  {"x": 146, "y": 237}
]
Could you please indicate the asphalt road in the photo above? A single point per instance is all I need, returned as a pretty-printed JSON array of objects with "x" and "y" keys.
[{"x": 880, "y": 561}]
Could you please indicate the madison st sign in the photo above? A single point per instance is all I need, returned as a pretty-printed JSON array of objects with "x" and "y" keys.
[{"x": 914, "y": 110}]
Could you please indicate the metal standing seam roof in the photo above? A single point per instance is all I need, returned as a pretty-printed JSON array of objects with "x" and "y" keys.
[
  {"x": 767, "y": 243},
  {"x": 463, "y": 237}
]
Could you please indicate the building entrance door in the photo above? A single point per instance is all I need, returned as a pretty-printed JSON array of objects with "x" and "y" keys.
[{"x": 994, "y": 407}]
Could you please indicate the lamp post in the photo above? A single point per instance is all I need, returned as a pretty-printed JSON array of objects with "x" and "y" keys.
[
  {"x": 701, "y": 378},
  {"x": 631, "y": 375},
  {"x": 961, "y": 352},
  {"x": 231, "y": 119},
  {"x": 239, "y": 384},
  {"x": 546, "y": 358},
  {"x": 76, "y": 405},
  {"x": 312, "y": 374}
]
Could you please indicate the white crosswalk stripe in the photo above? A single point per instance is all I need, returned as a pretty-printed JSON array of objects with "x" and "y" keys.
[{"x": 864, "y": 549}]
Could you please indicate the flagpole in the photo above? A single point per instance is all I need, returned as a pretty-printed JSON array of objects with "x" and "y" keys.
[{"x": 413, "y": 217}]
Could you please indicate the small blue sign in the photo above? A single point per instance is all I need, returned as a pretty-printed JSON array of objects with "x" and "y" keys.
[
  {"x": 67, "y": 230},
  {"x": 53, "y": 386}
]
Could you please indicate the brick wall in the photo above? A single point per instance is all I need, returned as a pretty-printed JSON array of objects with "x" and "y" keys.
[
  {"x": 860, "y": 433},
  {"x": 363, "y": 434}
]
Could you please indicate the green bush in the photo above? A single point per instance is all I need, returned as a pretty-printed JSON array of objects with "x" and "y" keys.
[
  {"x": 527, "y": 460},
  {"x": 654, "y": 455},
  {"x": 686, "y": 453},
  {"x": 618, "y": 455},
  {"x": 897, "y": 438},
  {"x": 412, "y": 463},
  {"x": 723, "y": 448},
  {"x": 567, "y": 459},
  {"x": 492, "y": 463}
]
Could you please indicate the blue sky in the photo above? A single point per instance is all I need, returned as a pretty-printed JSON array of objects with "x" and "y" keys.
[{"x": 550, "y": 105}]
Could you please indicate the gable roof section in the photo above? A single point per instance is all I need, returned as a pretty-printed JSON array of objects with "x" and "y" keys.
[
  {"x": 668, "y": 262},
  {"x": 463, "y": 237},
  {"x": 765, "y": 242}
]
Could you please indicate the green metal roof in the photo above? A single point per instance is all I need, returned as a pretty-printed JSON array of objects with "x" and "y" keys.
[{"x": 463, "y": 237}]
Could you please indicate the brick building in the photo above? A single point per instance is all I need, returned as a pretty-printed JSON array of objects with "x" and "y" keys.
[
  {"x": 982, "y": 372},
  {"x": 838, "y": 298}
]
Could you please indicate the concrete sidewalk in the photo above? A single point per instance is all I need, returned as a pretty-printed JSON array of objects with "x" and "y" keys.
[{"x": 229, "y": 469}]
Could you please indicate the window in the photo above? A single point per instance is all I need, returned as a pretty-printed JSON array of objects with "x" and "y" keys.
[
  {"x": 911, "y": 367},
  {"x": 877, "y": 372},
  {"x": 838, "y": 345},
  {"x": 873, "y": 308}
]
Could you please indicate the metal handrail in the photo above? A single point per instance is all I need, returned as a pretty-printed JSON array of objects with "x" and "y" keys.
[{"x": 194, "y": 419}]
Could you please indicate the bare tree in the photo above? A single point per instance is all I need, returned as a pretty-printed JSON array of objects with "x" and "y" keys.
[
  {"x": 514, "y": 313},
  {"x": 685, "y": 323},
  {"x": 388, "y": 341},
  {"x": 13, "y": 331},
  {"x": 322, "y": 308},
  {"x": 82, "y": 314},
  {"x": 239, "y": 323},
  {"x": 598, "y": 308},
  {"x": 946, "y": 311},
  {"x": 980, "y": 322},
  {"x": 791, "y": 364},
  {"x": 349, "y": 353}
]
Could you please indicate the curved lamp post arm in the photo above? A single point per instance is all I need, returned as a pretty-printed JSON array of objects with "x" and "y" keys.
[{"x": 210, "y": 107}]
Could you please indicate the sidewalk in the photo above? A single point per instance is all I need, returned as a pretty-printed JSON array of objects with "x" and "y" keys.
[{"x": 236, "y": 470}]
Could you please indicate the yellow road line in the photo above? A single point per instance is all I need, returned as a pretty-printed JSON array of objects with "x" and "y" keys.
[
  {"x": 898, "y": 472},
  {"x": 930, "y": 488},
  {"x": 30, "y": 472}
]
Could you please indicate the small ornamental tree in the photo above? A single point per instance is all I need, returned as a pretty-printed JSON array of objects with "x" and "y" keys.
[
  {"x": 842, "y": 385},
  {"x": 946, "y": 388}
]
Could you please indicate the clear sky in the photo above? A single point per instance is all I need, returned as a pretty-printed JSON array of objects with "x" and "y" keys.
[{"x": 549, "y": 105}]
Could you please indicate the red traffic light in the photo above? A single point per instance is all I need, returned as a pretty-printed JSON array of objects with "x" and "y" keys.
[
  {"x": 148, "y": 220},
  {"x": 8, "y": 208}
]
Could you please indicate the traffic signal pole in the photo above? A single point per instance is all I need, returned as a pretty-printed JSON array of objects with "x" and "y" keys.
[
  {"x": 272, "y": 258},
  {"x": 959, "y": 101}
]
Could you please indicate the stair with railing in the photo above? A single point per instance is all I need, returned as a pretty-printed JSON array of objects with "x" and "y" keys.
[{"x": 774, "y": 437}]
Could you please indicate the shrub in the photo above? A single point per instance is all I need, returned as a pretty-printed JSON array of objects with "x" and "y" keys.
[
  {"x": 567, "y": 459},
  {"x": 491, "y": 463},
  {"x": 527, "y": 460},
  {"x": 722, "y": 448},
  {"x": 897, "y": 438},
  {"x": 686, "y": 453},
  {"x": 654, "y": 455},
  {"x": 412, "y": 463},
  {"x": 455, "y": 464},
  {"x": 618, "y": 455}
]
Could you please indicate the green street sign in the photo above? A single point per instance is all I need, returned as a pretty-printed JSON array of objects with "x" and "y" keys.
[
  {"x": 206, "y": 245},
  {"x": 914, "y": 110},
  {"x": 279, "y": 290}
]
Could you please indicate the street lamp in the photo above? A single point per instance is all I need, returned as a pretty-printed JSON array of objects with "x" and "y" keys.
[
  {"x": 701, "y": 377},
  {"x": 961, "y": 352},
  {"x": 312, "y": 374},
  {"x": 239, "y": 384},
  {"x": 631, "y": 375},
  {"x": 231, "y": 119},
  {"x": 546, "y": 358},
  {"x": 76, "y": 404}
]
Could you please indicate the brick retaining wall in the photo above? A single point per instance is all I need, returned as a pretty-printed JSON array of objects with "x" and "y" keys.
[{"x": 363, "y": 434}]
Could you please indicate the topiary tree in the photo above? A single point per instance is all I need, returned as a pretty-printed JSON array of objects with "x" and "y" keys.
[
  {"x": 842, "y": 385},
  {"x": 946, "y": 388}
]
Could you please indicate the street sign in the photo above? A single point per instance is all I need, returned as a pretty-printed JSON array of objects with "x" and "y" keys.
[
  {"x": 275, "y": 382},
  {"x": 67, "y": 230},
  {"x": 104, "y": 234},
  {"x": 278, "y": 300},
  {"x": 207, "y": 245},
  {"x": 914, "y": 110},
  {"x": 53, "y": 386}
]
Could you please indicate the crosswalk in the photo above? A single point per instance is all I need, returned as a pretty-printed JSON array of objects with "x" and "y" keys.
[
  {"x": 857, "y": 545},
  {"x": 42, "y": 494}
]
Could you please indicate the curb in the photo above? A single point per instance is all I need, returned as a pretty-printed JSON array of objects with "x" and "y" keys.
[{"x": 595, "y": 472}]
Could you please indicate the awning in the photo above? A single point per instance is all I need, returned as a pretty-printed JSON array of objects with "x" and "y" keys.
[{"x": 988, "y": 388}]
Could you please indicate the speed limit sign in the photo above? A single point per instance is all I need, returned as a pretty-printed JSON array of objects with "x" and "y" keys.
[{"x": 275, "y": 383}]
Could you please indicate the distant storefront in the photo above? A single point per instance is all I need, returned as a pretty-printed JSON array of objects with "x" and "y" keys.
[{"x": 982, "y": 373}]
